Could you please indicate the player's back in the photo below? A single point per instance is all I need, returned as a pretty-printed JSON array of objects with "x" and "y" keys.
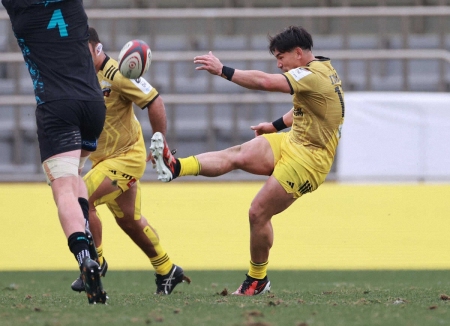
[
  {"x": 122, "y": 131},
  {"x": 53, "y": 37}
]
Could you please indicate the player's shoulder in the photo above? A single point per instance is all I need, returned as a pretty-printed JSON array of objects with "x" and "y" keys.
[
  {"x": 110, "y": 70},
  {"x": 298, "y": 73}
]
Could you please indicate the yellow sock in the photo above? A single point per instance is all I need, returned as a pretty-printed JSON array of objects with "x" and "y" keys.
[
  {"x": 189, "y": 166},
  {"x": 161, "y": 262},
  {"x": 100, "y": 254},
  {"x": 258, "y": 271}
]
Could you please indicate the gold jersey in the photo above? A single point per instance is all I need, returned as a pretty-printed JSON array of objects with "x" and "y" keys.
[
  {"x": 121, "y": 130},
  {"x": 318, "y": 110}
]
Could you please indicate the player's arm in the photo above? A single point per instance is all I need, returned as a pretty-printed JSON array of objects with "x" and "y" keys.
[
  {"x": 269, "y": 127},
  {"x": 157, "y": 115},
  {"x": 158, "y": 120},
  {"x": 251, "y": 79}
]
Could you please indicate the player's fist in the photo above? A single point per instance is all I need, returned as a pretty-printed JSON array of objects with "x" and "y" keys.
[{"x": 263, "y": 128}]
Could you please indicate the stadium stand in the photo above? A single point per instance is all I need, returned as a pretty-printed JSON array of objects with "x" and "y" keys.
[{"x": 208, "y": 113}]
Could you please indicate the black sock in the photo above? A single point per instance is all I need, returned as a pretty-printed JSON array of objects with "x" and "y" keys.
[
  {"x": 79, "y": 246},
  {"x": 84, "y": 204},
  {"x": 85, "y": 208},
  {"x": 177, "y": 168}
]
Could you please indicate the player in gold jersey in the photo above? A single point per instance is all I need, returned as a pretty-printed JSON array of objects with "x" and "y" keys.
[
  {"x": 119, "y": 163},
  {"x": 297, "y": 161}
]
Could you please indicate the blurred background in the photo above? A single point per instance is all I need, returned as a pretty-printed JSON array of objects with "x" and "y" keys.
[{"x": 392, "y": 56}]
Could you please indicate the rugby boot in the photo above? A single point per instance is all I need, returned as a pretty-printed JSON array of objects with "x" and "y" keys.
[
  {"x": 166, "y": 283},
  {"x": 90, "y": 274},
  {"x": 166, "y": 164},
  {"x": 78, "y": 284},
  {"x": 253, "y": 286}
]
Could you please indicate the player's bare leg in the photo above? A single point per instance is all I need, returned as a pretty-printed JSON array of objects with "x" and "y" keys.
[
  {"x": 254, "y": 156},
  {"x": 65, "y": 193},
  {"x": 270, "y": 200},
  {"x": 95, "y": 227},
  {"x": 168, "y": 275},
  {"x": 133, "y": 225}
]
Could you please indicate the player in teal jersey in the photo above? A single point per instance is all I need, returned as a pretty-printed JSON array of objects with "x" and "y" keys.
[{"x": 70, "y": 113}]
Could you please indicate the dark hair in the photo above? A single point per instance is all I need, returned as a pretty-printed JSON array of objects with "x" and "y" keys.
[
  {"x": 289, "y": 39},
  {"x": 93, "y": 36}
]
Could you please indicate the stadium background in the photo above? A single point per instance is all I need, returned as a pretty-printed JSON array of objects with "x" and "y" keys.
[{"x": 397, "y": 51}]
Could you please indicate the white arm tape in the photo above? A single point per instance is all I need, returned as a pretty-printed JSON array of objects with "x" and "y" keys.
[{"x": 82, "y": 161}]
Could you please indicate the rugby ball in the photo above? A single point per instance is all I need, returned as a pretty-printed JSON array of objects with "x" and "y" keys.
[{"x": 134, "y": 59}]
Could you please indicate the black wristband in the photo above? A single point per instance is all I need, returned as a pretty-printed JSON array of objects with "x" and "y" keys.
[
  {"x": 227, "y": 72},
  {"x": 279, "y": 124}
]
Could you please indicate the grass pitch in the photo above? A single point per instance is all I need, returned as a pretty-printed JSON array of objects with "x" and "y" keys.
[{"x": 298, "y": 298}]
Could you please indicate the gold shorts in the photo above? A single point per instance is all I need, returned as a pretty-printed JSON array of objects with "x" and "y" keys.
[
  {"x": 294, "y": 166},
  {"x": 124, "y": 171}
]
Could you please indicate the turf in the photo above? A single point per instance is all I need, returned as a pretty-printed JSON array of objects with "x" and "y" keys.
[{"x": 300, "y": 298}]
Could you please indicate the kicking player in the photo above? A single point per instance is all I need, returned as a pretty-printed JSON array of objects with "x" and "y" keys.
[
  {"x": 297, "y": 162},
  {"x": 70, "y": 112},
  {"x": 119, "y": 163}
]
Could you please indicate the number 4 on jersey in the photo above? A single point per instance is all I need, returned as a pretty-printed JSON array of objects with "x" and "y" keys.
[{"x": 58, "y": 21}]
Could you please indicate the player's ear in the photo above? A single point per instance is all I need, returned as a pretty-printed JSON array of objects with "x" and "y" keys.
[{"x": 98, "y": 49}]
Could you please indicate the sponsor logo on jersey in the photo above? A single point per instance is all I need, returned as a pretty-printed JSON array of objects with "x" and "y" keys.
[
  {"x": 299, "y": 73},
  {"x": 89, "y": 145},
  {"x": 334, "y": 78},
  {"x": 143, "y": 85},
  {"x": 298, "y": 112}
]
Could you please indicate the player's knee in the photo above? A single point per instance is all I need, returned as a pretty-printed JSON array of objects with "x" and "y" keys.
[
  {"x": 126, "y": 224},
  {"x": 254, "y": 216},
  {"x": 258, "y": 214},
  {"x": 60, "y": 167}
]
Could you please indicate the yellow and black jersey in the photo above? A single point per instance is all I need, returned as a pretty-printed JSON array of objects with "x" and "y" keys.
[
  {"x": 122, "y": 129},
  {"x": 318, "y": 102}
]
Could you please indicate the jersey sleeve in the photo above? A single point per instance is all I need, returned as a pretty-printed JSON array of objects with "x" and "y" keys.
[
  {"x": 139, "y": 91},
  {"x": 300, "y": 79}
]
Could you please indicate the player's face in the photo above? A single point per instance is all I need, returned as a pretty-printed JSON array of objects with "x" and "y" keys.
[{"x": 287, "y": 60}]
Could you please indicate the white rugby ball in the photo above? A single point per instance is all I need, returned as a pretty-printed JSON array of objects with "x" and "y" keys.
[{"x": 134, "y": 59}]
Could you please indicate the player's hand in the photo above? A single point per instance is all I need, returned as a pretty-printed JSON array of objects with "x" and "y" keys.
[
  {"x": 263, "y": 128},
  {"x": 151, "y": 159},
  {"x": 210, "y": 63}
]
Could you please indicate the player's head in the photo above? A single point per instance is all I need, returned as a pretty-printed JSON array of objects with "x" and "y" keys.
[
  {"x": 289, "y": 39},
  {"x": 94, "y": 42},
  {"x": 95, "y": 47},
  {"x": 93, "y": 36}
]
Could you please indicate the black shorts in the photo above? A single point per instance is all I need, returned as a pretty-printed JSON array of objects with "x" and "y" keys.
[{"x": 68, "y": 125}]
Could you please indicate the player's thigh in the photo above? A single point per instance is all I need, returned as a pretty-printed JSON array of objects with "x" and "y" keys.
[
  {"x": 101, "y": 188},
  {"x": 256, "y": 156},
  {"x": 272, "y": 199},
  {"x": 127, "y": 206}
]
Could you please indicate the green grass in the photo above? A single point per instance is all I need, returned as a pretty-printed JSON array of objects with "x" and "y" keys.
[{"x": 297, "y": 298}]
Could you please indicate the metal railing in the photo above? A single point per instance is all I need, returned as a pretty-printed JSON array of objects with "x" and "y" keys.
[{"x": 209, "y": 16}]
